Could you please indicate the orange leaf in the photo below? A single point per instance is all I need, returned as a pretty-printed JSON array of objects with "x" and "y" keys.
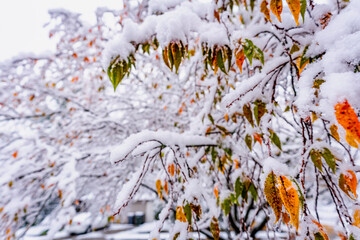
[
  {"x": 347, "y": 118},
  {"x": 264, "y": 9},
  {"x": 272, "y": 194},
  {"x": 15, "y": 154},
  {"x": 171, "y": 169},
  {"x": 237, "y": 164},
  {"x": 166, "y": 188},
  {"x": 257, "y": 137},
  {"x": 60, "y": 193},
  {"x": 285, "y": 218},
  {"x": 294, "y": 6},
  {"x": 216, "y": 191},
  {"x": 298, "y": 61},
  {"x": 158, "y": 186},
  {"x": 276, "y": 8},
  {"x": 290, "y": 198},
  {"x": 321, "y": 230},
  {"x": 348, "y": 182},
  {"x": 226, "y": 117},
  {"x": 240, "y": 57},
  {"x": 180, "y": 215}
]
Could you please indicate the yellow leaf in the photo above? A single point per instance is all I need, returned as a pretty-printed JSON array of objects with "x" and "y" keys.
[
  {"x": 240, "y": 57},
  {"x": 226, "y": 117},
  {"x": 264, "y": 9},
  {"x": 290, "y": 199},
  {"x": 158, "y": 186},
  {"x": 276, "y": 8},
  {"x": 298, "y": 61},
  {"x": 350, "y": 140},
  {"x": 357, "y": 218},
  {"x": 180, "y": 215},
  {"x": 294, "y": 6},
  {"x": 272, "y": 194},
  {"x": 334, "y": 132}
]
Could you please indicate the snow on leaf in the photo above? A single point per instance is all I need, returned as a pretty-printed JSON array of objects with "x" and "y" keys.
[
  {"x": 272, "y": 194},
  {"x": 348, "y": 183},
  {"x": 321, "y": 234},
  {"x": 276, "y": 7},
  {"x": 290, "y": 199},
  {"x": 294, "y": 6}
]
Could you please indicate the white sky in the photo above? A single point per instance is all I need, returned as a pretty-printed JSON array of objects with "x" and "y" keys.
[{"x": 21, "y": 22}]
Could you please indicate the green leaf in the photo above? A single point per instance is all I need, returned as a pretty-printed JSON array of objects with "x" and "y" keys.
[
  {"x": 248, "y": 141},
  {"x": 248, "y": 114},
  {"x": 259, "y": 54},
  {"x": 259, "y": 110},
  {"x": 220, "y": 61},
  {"x": 317, "y": 83},
  {"x": 253, "y": 191},
  {"x": 316, "y": 159},
  {"x": 239, "y": 186},
  {"x": 275, "y": 140},
  {"x": 115, "y": 71},
  {"x": 249, "y": 50},
  {"x": 176, "y": 236},
  {"x": 213, "y": 154},
  {"x": 214, "y": 228},
  {"x": 176, "y": 55},
  {"x": 329, "y": 159},
  {"x": 318, "y": 236},
  {"x": 221, "y": 128},
  {"x": 229, "y": 56},
  {"x": 226, "y": 206},
  {"x": 211, "y": 118},
  {"x": 294, "y": 48},
  {"x": 303, "y": 9},
  {"x": 188, "y": 215},
  {"x": 352, "y": 237}
]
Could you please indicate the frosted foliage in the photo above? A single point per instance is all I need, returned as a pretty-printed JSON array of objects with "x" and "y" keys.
[{"x": 231, "y": 121}]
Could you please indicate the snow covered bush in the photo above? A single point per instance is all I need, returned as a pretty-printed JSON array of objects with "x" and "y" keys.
[{"x": 242, "y": 115}]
